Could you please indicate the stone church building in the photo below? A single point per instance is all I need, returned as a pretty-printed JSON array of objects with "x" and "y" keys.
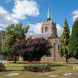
[
  {"x": 49, "y": 31},
  {"x": 49, "y": 26}
]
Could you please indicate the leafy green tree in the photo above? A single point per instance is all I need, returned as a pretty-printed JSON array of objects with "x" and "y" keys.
[
  {"x": 65, "y": 41},
  {"x": 6, "y": 51},
  {"x": 2, "y": 40},
  {"x": 12, "y": 34},
  {"x": 20, "y": 31},
  {"x": 73, "y": 44},
  {"x": 9, "y": 36}
]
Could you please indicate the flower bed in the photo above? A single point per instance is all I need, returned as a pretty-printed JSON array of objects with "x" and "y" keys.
[{"x": 38, "y": 67}]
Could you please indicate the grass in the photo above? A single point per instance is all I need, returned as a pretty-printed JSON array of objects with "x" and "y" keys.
[
  {"x": 58, "y": 69},
  {"x": 15, "y": 67}
]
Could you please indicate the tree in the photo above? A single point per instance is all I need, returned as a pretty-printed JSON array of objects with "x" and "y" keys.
[
  {"x": 33, "y": 49},
  {"x": 20, "y": 31},
  {"x": 9, "y": 36},
  {"x": 65, "y": 41},
  {"x": 73, "y": 44},
  {"x": 15, "y": 32},
  {"x": 12, "y": 34}
]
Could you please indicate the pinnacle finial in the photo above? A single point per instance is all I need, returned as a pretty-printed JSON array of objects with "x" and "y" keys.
[{"x": 48, "y": 14}]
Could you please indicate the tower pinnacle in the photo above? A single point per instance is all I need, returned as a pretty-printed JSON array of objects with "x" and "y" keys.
[{"x": 48, "y": 14}]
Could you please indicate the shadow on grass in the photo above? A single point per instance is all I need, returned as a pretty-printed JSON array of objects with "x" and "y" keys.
[{"x": 73, "y": 63}]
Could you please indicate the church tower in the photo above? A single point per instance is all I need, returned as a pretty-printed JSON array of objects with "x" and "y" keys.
[{"x": 49, "y": 26}]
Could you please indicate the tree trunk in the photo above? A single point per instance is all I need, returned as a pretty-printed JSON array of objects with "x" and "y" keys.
[
  {"x": 67, "y": 59},
  {"x": 15, "y": 59}
]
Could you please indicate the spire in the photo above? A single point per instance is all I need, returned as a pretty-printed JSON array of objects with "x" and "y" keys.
[{"x": 48, "y": 14}]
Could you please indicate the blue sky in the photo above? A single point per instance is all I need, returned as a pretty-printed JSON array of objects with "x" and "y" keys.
[{"x": 35, "y": 11}]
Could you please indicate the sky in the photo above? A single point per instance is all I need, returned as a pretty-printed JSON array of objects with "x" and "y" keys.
[{"x": 34, "y": 12}]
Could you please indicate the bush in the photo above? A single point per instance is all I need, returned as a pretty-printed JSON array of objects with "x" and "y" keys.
[
  {"x": 38, "y": 67},
  {"x": 7, "y": 51},
  {"x": 35, "y": 49},
  {"x": 2, "y": 67}
]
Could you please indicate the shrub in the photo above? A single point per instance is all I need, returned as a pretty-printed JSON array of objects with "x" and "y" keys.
[
  {"x": 38, "y": 67},
  {"x": 2, "y": 67},
  {"x": 7, "y": 51},
  {"x": 35, "y": 49}
]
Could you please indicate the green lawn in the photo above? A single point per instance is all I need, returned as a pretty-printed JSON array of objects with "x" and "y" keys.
[{"x": 58, "y": 71}]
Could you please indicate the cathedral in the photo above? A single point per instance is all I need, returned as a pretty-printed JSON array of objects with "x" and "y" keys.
[{"x": 49, "y": 26}]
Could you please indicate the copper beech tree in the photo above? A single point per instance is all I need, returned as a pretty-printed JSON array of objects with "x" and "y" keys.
[{"x": 31, "y": 49}]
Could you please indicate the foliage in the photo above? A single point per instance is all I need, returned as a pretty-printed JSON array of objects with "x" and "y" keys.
[
  {"x": 12, "y": 34},
  {"x": 65, "y": 40},
  {"x": 32, "y": 49},
  {"x": 20, "y": 31},
  {"x": 36, "y": 48},
  {"x": 73, "y": 44},
  {"x": 38, "y": 67},
  {"x": 6, "y": 51}
]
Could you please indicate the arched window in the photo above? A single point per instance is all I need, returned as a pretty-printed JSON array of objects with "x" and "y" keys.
[{"x": 46, "y": 29}]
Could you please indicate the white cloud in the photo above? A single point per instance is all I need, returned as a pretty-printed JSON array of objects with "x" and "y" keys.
[
  {"x": 59, "y": 29},
  {"x": 2, "y": 11},
  {"x": 6, "y": 18},
  {"x": 75, "y": 15},
  {"x": 24, "y": 8},
  {"x": 35, "y": 28},
  {"x": 21, "y": 10}
]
